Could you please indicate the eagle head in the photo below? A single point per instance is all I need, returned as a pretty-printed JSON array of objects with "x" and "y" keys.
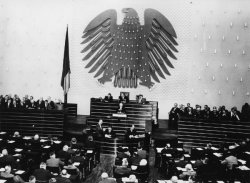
[{"x": 129, "y": 12}]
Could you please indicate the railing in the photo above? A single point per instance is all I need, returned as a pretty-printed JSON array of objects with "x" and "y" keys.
[
  {"x": 198, "y": 132},
  {"x": 30, "y": 122}
]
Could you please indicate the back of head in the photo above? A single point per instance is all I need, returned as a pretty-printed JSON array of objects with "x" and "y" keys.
[
  {"x": 4, "y": 152},
  {"x": 174, "y": 179},
  {"x": 65, "y": 148},
  {"x": 32, "y": 179},
  {"x": 17, "y": 179},
  {"x": 104, "y": 175},
  {"x": 36, "y": 137}
]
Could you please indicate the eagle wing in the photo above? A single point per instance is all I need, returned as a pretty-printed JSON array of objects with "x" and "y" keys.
[
  {"x": 99, "y": 34},
  {"x": 158, "y": 45}
]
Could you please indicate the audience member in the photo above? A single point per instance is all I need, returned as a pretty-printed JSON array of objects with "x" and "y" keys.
[
  {"x": 32, "y": 179},
  {"x": 123, "y": 98},
  {"x": 174, "y": 116},
  {"x": 108, "y": 98},
  {"x": 53, "y": 161},
  {"x": 41, "y": 174},
  {"x": 109, "y": 132},
  {"x": 6, "y": 174},
  {"x": 99, "y": 129}
]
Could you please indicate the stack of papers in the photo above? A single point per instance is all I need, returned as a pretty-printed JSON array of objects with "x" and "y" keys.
[
  {"x": 27, "y": 138},
  {"x": 19, "y": 172},
  {"x": 11, "y": 141},
  {"x": 168, "y": 155},
  {"x": 199, "y": 149},
  {"x": 43, "y": 140},
  {"x": 214, "y": 148},
  {"x": 57, "y": 141},
  {"x": 46, "y": 147},
  {"x": 2, "y": 181},
  {"x": 18, "y": 150},
  {"x": 186, "y": 155},
  {"x": 2, "y": 169},
  {"x": 217, "y": 154},
  {"x": 243, "y": 167},
  {"x": 159, "y": 149},
  {"x": 247, "y": 153},
  {"x": 2, "y": 133},
  {"x": 16, "y": 155},
  {"x": 89, "y": 151},
  {"x": 179, "y": 149},
  {"x": 243, "y": 162}
]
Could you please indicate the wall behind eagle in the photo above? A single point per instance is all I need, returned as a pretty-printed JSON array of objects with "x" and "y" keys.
[{"x": 213, "y": 60}]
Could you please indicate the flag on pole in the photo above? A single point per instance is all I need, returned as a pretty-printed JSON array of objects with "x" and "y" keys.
[{"x": 65, "y": 81}]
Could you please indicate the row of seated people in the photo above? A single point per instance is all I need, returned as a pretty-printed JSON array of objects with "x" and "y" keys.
[
  {"x": 220, "y": 113},
  {"x": 130, "y": 135},
  {"x": 9, "y": 102},
  {"x": 123, "y": 98},
  {"x": 75, "y": 159},
  {"x": 228, "y": 163}
]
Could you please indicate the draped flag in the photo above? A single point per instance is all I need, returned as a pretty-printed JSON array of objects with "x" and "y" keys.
[{"x": 65, "y": 81}]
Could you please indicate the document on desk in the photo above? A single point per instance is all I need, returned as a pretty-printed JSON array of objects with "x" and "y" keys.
[
  {"x": 159, "y": 149},
  {"x": 243, "y": 167},
  {"x": 2, "y": 181},
  {"x": 19, "y": 172}
]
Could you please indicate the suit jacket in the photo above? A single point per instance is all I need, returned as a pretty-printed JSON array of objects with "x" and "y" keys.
[
  {"x": 142, "y": 153},
  {"x": 123, "y": 100},
  {"x": 54, "y": 162},
  {"x": 42, "y": 174},
  {"x": 60, "y": 179},
  {"x": 99, "y": 131}
]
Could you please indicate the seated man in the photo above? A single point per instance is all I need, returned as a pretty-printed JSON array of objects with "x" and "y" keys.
[
  {"x": 109, "y": 132},
  {"x": 42, "y": 175},
  {"x": 131, "y": 132},
  {"x": 6, "y": 159},
  {"x": 123, "y": 98},
  {"x": 235, "y": 114},
  {"x": 108, "y": 98},
  {"x": 64, "y": 154},
  {"x": 53, "y": 161}
]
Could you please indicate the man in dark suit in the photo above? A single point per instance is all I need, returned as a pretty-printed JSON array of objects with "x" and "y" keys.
[
  {"x": 174, "y": 117},
  {"x": 131, "y": 132},
  {"x": 235, "y": 114},
  {"x": 99, "y": 129},
  {"x": 108, "y": 98},
  {"x": 109, "y": 132},
  {"x": 40, "y": 104},
  {"x": 41, "y": 174},
  {"x": 6, "y": 159},
  {"x": 123, "y": 98}
]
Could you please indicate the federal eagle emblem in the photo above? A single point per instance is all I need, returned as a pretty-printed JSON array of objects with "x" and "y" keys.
[{"x": 131, "y": 52}]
